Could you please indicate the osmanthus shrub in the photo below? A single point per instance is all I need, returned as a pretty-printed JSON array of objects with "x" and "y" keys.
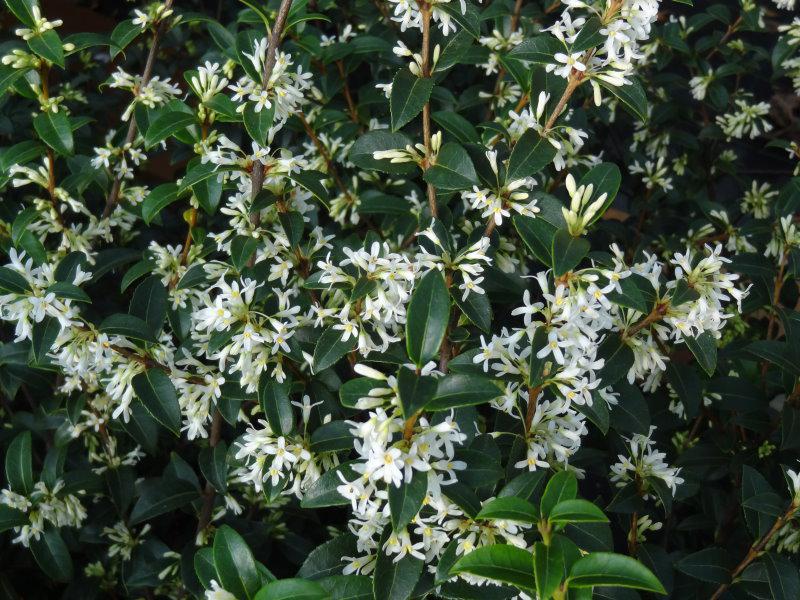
[{"x": 400, "y": 299}]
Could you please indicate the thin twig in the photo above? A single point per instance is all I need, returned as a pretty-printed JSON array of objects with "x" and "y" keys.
[
  {"x": 758, "y": 546},
  {"x": 209, "y": 493},
  {"x": 257, "y": 173},
  {"x": 113, "y": 197},
  {"x": 426, "y": 110}
]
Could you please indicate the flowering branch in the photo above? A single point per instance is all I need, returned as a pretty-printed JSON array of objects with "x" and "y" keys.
[{"x": 113, "y": 197}]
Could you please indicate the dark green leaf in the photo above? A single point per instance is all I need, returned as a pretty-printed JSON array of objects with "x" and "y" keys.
[
  {"x": 509, "y": 508},
  {"x": 461, "y": 389},
  {"x": 530, "y": 155},
  {"x": 19, "y": 464},
  {"x": 567, "y": 252},
  {"x": 159, "y": 496},
  {"x": 576, "y": 510},
  {"x": 235, "y": 564},
  {"x": 167, "y": 124},
  {"x": 427, "y": 317},
  {"x": 274, "y": 399},
  {"x": 154, "y": 388},
  {"x": 52, "y": 555},
  {"x": 55, "y": 131},
  {"x": 406, "y": 500},
  {"x": 330, "y": 348},
  {"x": 409, "y": 94},
  {"x": 502, "y": 563},
  {"x": 613, "y": 570},
  {"x": 562, "y": 486},
  {"x": 292, "y": 589},
  {"x": 548, "y": 568}
]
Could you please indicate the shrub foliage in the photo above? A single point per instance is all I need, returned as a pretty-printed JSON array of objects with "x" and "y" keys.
[{"x": 401, "y": 299}]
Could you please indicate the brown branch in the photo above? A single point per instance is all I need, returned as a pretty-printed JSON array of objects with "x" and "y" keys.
[
  {"x": 325, "y": 155},
  {"x": 351, "y": 107},
  {"x": 533, "y": 396},
  {"x": 758, "y": 546},
  {"x": 426, "y": 110},
  {"x": 257, "y": 172},
  {"x": 113, "y": 197},
  {"x": 658, "y": 312},
  {"x": 209, "y": 492}
]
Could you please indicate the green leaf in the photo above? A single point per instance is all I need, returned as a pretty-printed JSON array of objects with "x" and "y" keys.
[
  {"x": 55, "y": 131},
  {"x": 348, "y": 587},
  {"x": 334, "y": 436},
  {"x": 631, "y": 96},
  {"x": 361, "y": 153},
  {"x": 167, "y": 124},
  {"x": 154, "y": 388},
  {"x": 782, "y": 575},
  {"x": 406, "y": 500},
  {"x": 311, "y": 181},
  {"x": 686, "y": 383},
  {"x": 453, "y": 170},
  {"x": 197, "y": 172},
  {"x": 538, "y": 236},
  {"x": 330, "y": 348},
  {"x": 538, "y": 50},
  {"x": 476, "y": 307},
  {"x": 427, "y": 317},
  {"x": 548, "y": 568},
  {"x": 415, "y": 391},
  {"x": 273, "y": 397},
  {"x": 323, "y": 493},
  {"x": 711, "y": 565},
  {"x": 12, "y": 282},
  {"x": 11, "y": 517},
  {"x": 43, "y": 337},
  {"x": 122, "y": 35},
  {"x": 9, "y": 76},
  {"x": 457, "y": 126},
  {"x": 23, "y": 10},
  {"x": 204, "y": 566},
  {"x": 704, "y": 348},
  {"x": 409, "y": 94},
  {"x": 292, "y": 589},
  {"x": 568, "y": 252},
  {"x": 159, "y": 496},
  {"x": 606, "y": 179},
  {"x": 612, "y": 570},
  {"x": 577, "y": 510},
  {"x": 128, "y": 326},
  {"x": 470, "y": 19},
  {"x": 52, "y": 555},
  {"x": 618, "y": 358},
  {"x": 530, "y": 155},
  {"x": 49, "y": 46},
  {"x": 242, "y": 248},
  {"x": 509, "y": 508},
  {"x": 257, "y": 124},
  {"x": 19, "y": 464},
  {"x": 326, "y": 560},
  {"x": 394, "y": 580},
  {"x": 68, "y": 291},
  {"x": 500, "y": 562},
  {"x": 589, "y": 36},
  {"x": 770, "y": 350},
  {"x": 158, "y": 198},
  {"x": 149, "y": 302},
  {"x": 562, "y": 486},
  {"x": 462, "y": 389},
  {"x": 214, "y": 467},
  {"x": 235, "y": 564}
]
